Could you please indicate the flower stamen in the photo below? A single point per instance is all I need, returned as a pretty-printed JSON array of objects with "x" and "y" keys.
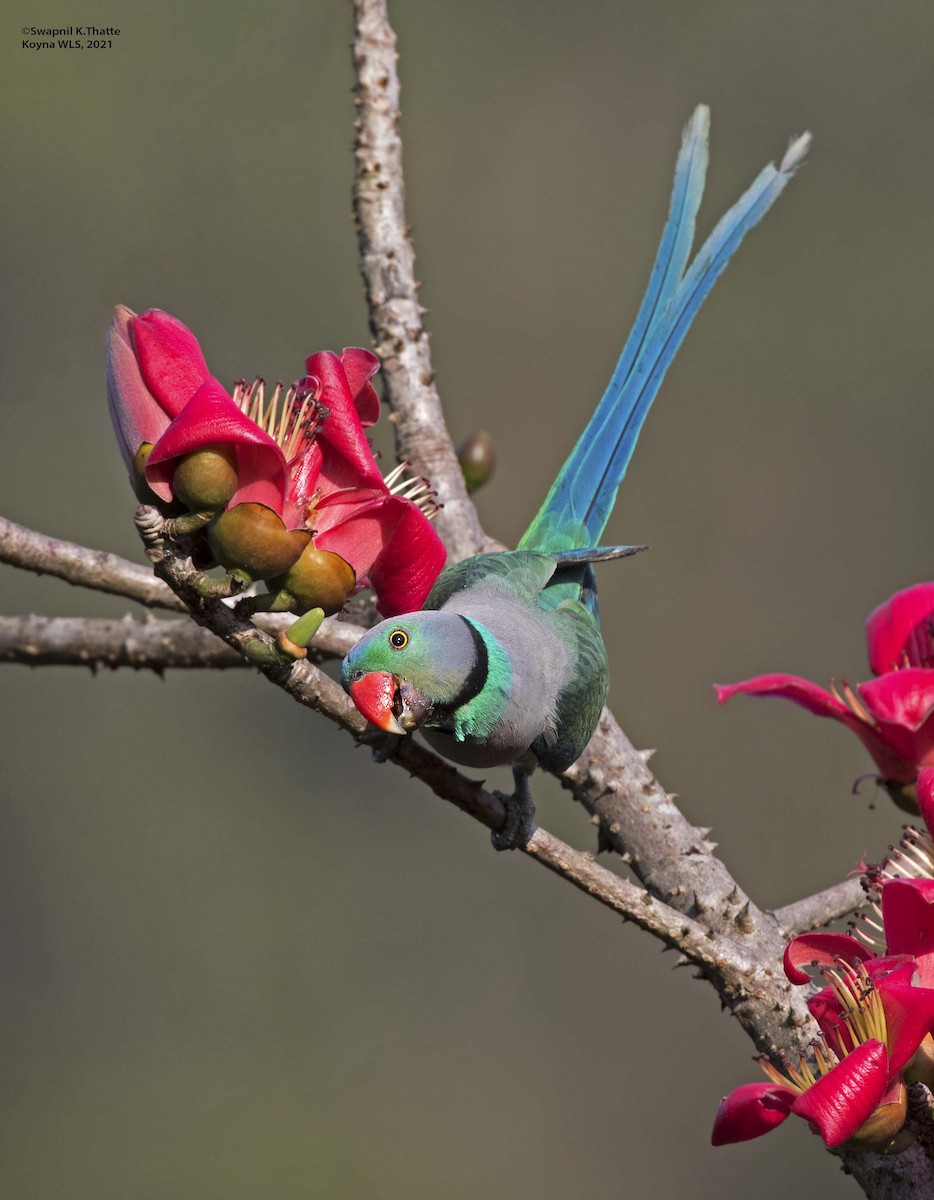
[
  {"x": 913, "y": 858},
  {"x": 416, "y": 489},
  {"x": 285, "y": 416},
  {"x": 841, "y": 691},
  {"x": 862, "y": 1020}
]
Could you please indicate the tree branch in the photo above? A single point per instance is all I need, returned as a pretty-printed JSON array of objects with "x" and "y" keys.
[
  {"x": 387, "y": 263},
  {"x": 711, "y": 952},
  {"x": 675, "y": 861},
  {"x": 129, "y": 642},
  {"x": 95, "y": 569},
  {"x": 820, "y": 909},
  {"x": 94, "y": 642}
]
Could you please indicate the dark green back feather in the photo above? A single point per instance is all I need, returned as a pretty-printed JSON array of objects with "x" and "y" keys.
[{"x": 582, "y": 700}]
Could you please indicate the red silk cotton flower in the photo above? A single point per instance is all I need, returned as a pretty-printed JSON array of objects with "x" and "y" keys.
[
  {"x": 893, "y": 714},
  {"x": 875, "y": 1016},
  {"x": 277, "y": 479}
]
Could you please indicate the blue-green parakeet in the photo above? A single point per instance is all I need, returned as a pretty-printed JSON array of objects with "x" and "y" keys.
[{"x": 506, "y": 663}]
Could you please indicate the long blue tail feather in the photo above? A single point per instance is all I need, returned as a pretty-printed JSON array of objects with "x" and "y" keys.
[
  {"x": 674, "y": 250},
  {"x": 579, "y": 502}
]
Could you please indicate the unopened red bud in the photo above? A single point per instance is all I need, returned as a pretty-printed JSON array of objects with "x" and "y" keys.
[
  {"x": 319, "y": 579},
  {"x": 206, "y": 479},
  {"x": 252, "y": 539},
  {"x": 477, "y": 459}
]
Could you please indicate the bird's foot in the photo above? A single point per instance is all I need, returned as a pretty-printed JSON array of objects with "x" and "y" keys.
[{"x": 520, "y": 815}]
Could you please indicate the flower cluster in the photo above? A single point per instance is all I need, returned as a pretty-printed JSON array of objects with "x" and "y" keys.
[
  {"x": 282, "y": 487},
  {"x": 876, "y": 1008},
  {"x": 876, "y": 1017},
  {"x": 892, "y": 714}
]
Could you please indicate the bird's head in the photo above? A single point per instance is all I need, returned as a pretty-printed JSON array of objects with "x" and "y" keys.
[{"x": 412, "y": 670}]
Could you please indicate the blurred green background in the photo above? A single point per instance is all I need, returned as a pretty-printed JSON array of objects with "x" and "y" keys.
[{"x": 239, "y": 959}]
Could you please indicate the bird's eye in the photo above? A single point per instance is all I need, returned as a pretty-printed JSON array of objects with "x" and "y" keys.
[{"x": 398, "y": 639}]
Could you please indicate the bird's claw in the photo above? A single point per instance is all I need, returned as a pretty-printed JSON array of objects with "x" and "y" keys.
[{"x": 520, "y": 815}]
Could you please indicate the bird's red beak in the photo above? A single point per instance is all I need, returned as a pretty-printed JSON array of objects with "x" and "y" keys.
[{"x": 375, "y": 695}]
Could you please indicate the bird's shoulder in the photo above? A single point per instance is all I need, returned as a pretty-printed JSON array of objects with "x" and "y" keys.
[{"x": 520, "y": 573}]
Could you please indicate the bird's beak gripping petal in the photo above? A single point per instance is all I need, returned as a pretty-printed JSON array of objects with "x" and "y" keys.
[{"x": 389, "y": 702}]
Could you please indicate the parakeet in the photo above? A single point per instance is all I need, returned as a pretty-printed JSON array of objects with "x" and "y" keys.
[{"x": 506, "y": 663}]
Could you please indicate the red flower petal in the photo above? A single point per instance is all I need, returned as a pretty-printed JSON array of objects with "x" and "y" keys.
[
  {"x": 406, "y": 571},
  {"x": 904, "y": 698},
  {"x": 791, "y": 687},
  {"x": 894, "y": 750},
  {"x": 211, "y": 417},
  {"x": 749, "y": 1111},
  {"x": 360, "y": 366},
  {"x": 908, "y": 915},
  {"x": 909, "y": 1018},
  {"x": 136, "y": 414},
  {"x": 347, "y": 458},
  {"x": 902, "y": 627},
  {"x": 843, "y": 1100},
  {"x": 305, "y": 471},
  {"x": 822, "y": 949},
  {"x": 345, "y": 504},
  {"x": 354, "y": 525},
  {"x": 170, "y": 359}
]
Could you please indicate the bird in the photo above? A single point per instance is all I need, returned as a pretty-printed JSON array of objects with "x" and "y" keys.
[{"x": 505, "y": 663}]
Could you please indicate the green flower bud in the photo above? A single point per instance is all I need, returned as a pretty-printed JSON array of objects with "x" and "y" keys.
[
  {"x": 920, "y": 1068},
  {"x": 319, "y": 579},
  {"x": 477, "y": 459},
  {"x": 294, "y": 641},
  {"x": 880, "y": 1132},
  {"x": 140, "y": 484},
  {"x": 252, "y": 539},
  {"x": 206, "y": 479}
]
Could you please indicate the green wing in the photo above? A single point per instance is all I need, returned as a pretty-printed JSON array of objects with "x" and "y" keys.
[{"x": 584, "y": 695}]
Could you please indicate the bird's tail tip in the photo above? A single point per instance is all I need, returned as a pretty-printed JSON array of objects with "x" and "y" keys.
[
  {"x": 698, "y": 127},
  {"x": 700, "y": 120},
  {"x": 795, "y": 154}
]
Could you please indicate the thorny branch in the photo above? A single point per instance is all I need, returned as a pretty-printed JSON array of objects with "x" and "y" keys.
[
  {"x": 98, "y": 642},
  {"x": 688, "y": 898},
  {"x": 820, "y": 909},
  {"x": 387, "y": 263},
  {"x": 96, "y": 569}
]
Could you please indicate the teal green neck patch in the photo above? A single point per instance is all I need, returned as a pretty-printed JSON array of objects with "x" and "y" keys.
[{"x": 477, "y": 716}]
